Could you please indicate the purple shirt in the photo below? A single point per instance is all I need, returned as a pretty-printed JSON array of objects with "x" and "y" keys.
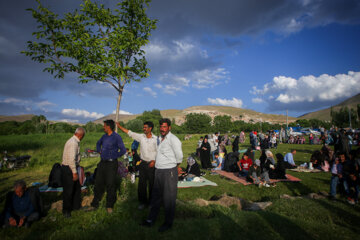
[{"x": 109, "y": 146}]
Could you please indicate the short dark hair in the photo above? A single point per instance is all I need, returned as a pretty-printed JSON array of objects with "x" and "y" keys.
[
  {"x": 110, "y": 123},
  {"x": 149, "y": 124},
  {"x": 20, "y": 183},
  {"x": 293, "y": 150},
  {"x": 165, "y": 120},
  {"x": 216, "y": 153}
]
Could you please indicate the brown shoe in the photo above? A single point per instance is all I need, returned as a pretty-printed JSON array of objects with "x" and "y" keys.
[{"x": 109, "y": 210}]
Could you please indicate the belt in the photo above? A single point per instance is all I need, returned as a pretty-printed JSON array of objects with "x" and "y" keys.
[{"x": 109, "y": 160}]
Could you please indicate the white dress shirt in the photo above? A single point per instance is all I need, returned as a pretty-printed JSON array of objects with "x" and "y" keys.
[
  {"x": 169, "y": 152},
  {"x": 148, "y": 146}
]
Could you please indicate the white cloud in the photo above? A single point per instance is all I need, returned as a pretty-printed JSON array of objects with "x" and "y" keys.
[
  {"x": 29, "y": 104},
  {"x": 68, "y": 120},
  {"x": 150, "y": 91},
  {"x": 257, "y": 100},
  {"x": 310, "y": 89},
  {"x": 209, "y": 78},
  {"x": 234, "y": 102},
  {"x": 81, "y": 113},
  {"x": 123, "y": 112}
]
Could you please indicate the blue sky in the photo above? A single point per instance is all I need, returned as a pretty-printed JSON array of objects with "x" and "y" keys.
[{"x": 264, "y": 55}]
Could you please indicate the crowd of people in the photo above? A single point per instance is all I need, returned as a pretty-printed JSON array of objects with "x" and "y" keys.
[
  {"x": 158, "y": 168},
  {"x": 157, "y": 164}
]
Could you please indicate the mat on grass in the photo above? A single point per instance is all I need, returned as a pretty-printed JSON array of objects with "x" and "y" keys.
[
  {"x": 46, "y": 188},
  {"x": 189, "y": 184},
  {"x": 242, "y": 180},
  {"x": 301, "y": 169}
]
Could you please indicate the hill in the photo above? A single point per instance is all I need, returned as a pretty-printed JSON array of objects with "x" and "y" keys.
[
  {"x": 235, "y": 113},
  {"x": 324, "y": 114},
  {"x": 18, "y": 118}
]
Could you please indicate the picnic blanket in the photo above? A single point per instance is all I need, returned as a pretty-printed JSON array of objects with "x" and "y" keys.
[
  {"x": 302, "y": 169},
  {"x": 46, "y": 188},
  {"x": 242, "y": 180},
  {"x": 189, "y": 184}
]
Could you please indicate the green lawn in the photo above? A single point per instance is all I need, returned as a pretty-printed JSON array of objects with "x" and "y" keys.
[{"x": 284, "y": 219}]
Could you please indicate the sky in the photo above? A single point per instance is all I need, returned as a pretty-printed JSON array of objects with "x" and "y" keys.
[{"x": 266, "y": 55}]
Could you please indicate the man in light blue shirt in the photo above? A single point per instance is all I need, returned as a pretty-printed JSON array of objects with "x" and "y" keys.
[
  {"x": 168, "y": 158},
  {"x": 289, "y": 158}
]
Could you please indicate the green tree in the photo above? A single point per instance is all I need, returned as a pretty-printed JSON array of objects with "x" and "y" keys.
[
  {"x": 198, "y": 123},
  {"x": 90, "y": 127},
  {"x": 222, "y": 123},
  {"x": 95, "y": 42},
  {"x": 341, "y": 118},
  {"x": 135, "y": 125}
]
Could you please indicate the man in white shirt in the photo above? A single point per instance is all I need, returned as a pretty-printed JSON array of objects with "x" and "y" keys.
[
  {"x": 148, "y": 149},
  {"x": 69, "y": 175},
  {"x": 169, "y": 157}
]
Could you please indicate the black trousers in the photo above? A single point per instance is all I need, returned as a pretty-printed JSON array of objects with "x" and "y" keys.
[
  {"x": 164, "y": 191},
  {"x": 71, "y": 190},
  {"x": 105, "y": 180},
  {"x": 146, "y": 181}
]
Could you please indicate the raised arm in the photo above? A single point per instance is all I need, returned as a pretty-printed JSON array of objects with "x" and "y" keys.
[{"x": 122, "y": 128}]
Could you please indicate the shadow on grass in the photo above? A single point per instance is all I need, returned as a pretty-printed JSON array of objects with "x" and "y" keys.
[
  {"x": 284, "y": 226},
  {"x": 341, "y": 215},
  {"x": 297, "y": 188}
]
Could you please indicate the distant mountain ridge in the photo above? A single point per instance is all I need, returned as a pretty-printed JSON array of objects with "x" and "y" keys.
[
  {"x": 324, "y": 114},
  {"x": 235, "y": 114},
  {"x": 17, "y": 118}
]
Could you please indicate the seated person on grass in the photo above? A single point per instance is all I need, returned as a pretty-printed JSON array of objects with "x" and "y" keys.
[
  {"x": 289, "y": 159},
  {"x": 192, "y": 167},
  {"x": 254, "y": 173},
  {"x": 216, "y": 163},
  {"x": 244, "y": 165},
  {"x": 21, "y": 206}
]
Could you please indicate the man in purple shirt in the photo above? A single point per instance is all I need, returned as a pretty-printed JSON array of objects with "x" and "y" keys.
[{"x": 108, "y": 146}]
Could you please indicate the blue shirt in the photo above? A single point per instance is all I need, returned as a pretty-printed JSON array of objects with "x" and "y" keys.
[
  {"x": 109, "y": 146},
  {"x": 20, "y": 205},
  {"x": 289, "y": 158}
]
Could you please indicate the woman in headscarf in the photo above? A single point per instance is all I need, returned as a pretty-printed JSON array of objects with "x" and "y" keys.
[
  {"x": 192, "y": 167},
  {"x": 235, "y": 145},
  {"x": 280, "y": 169},
  {"x": 205, "y": 154}
]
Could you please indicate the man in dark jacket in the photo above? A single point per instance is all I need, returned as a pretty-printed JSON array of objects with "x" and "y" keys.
[{"x": 23, "y": 206}]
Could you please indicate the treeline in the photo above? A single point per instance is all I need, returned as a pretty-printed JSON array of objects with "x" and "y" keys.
[
  {"x": 40, "y": 125},
  {"x": 202, "y": 123},
  {"x": 344, "y": 116},
  {"x": 194, "y": 123}
]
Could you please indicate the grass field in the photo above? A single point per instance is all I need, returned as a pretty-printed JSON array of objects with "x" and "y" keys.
[{"x": 300, "y": 218}]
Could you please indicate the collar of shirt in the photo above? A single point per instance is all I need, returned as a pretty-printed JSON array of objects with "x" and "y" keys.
[{"x": 76, "y": 138}]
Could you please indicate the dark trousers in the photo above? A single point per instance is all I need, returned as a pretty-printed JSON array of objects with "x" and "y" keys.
[
  {"x": 105, "y": 180},
  {"x": 164, "y": 191},
  {"x": 71, "y": 190},
  {"x": 146, "y": 179}
]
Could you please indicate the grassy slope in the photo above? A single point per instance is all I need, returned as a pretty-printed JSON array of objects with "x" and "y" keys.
[
  {"x": 324, "y": 114},
  {"x": 285, "y": 219}
]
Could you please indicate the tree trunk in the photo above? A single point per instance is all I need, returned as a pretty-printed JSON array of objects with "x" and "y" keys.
[{"x": 118, "y": 107}]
